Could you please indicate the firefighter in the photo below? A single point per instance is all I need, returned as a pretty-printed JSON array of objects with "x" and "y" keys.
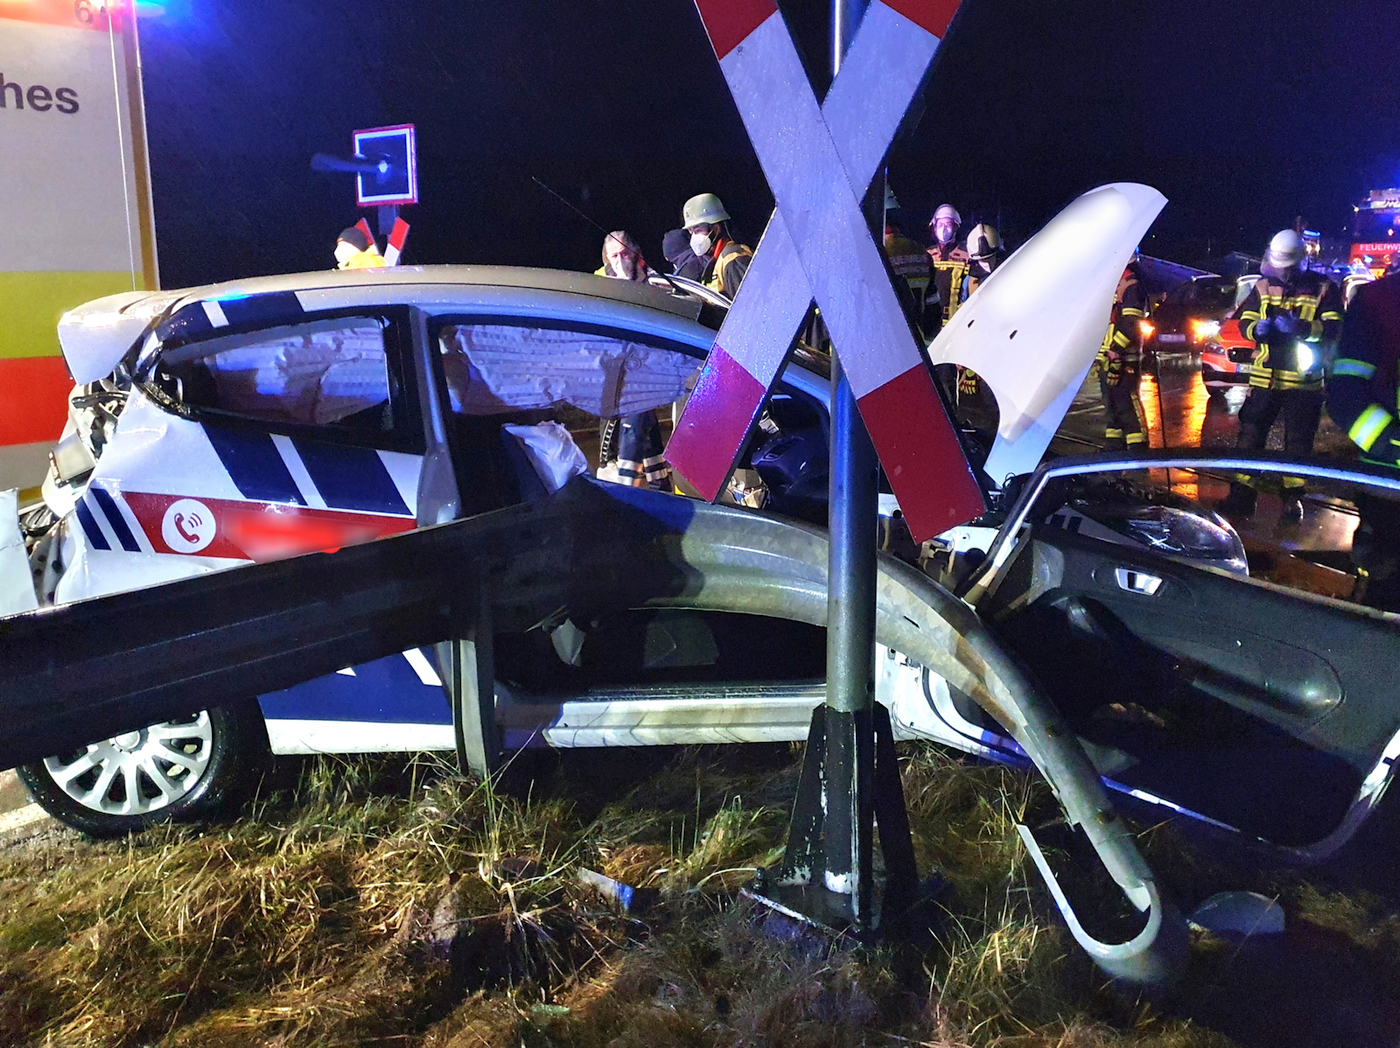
[
  {"x": 354, "y": 250},
  {"x": 636, "y": 439},
  {"x": 726, "y": 260},
  {"x": 949, "y": 260},
  {"x": 1119, "y": 364},
  {"x": 1363, "y": 397},
  {"x": 913, "y": 270},
  {"x": 1293, "y": 316}
]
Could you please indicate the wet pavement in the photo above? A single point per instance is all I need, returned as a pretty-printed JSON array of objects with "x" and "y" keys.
[{"x": 1180, "y": 414}]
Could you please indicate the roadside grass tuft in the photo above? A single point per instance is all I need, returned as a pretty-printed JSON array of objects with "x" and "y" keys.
[{"x": 327, "y": 916}]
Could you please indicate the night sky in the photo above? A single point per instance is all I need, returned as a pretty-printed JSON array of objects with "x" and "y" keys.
[{"x": 1244, "y": 114}]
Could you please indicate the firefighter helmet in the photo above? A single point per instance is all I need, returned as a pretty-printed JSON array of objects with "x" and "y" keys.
[
  {"x": 983, "y": 242},
  {"x": 946, "y": 211},
  {"x": 1285, "y": 250},
  {"x": 703, "y": 209}
]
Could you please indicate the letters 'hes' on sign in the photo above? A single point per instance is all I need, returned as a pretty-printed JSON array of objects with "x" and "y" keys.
[{"x": 816, "y": 158}]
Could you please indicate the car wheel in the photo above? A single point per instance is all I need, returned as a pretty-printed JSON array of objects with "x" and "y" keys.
[{"x": 195, "y": 767}]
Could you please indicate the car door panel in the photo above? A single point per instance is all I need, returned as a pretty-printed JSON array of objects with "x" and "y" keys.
[{"x": 1238, "y": 699}]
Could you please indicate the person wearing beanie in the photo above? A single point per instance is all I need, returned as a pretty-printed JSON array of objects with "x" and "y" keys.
[
  {"x": 354, "y": 250},
  {"x": 675, "y": 247}
]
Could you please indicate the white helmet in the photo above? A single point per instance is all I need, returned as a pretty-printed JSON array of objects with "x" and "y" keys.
[
  {"x": 946, "y": 211},
  {"x": 703, "y": 209},
  {"x": 983, "y": 242},
  {"x": 1285, "y": 250}
]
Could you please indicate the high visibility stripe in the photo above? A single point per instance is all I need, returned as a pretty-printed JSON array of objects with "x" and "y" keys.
[
  {"x": 351, "y": 478},
  {"x": 90, "y": 527},
  {"x": 254, "y": 465},
  {"x": 115, "y": 520},
  {"x": 1366, "y": 430},
  {"x": 1350, "y": 368},
  {"x": 1131, "y": 311}
]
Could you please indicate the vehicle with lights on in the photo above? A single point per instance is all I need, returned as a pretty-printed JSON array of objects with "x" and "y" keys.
[
  {"x": 1190, "y": 314},
  {"x": 1375, "y": 231}
]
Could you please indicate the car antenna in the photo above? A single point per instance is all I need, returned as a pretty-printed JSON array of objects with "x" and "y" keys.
[{"x": 607, "y": 235}]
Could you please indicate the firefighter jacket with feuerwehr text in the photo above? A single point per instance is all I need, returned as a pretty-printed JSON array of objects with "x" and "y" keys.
[
  {"x": 949, "y": 267},
  {"x": 1363, "y": 383},
  {"x": 726, "y": 270},
  {"x": 1294, "y": 362},
  {"x": 1123, "y": 338},
  {"x": 912, "y": 265}
]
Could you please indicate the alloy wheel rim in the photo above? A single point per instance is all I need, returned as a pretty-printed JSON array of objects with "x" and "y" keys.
[{"x": 137, "y": 772}]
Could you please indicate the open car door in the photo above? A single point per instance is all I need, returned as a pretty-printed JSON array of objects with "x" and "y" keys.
[{"x": 1267, "y": 704}]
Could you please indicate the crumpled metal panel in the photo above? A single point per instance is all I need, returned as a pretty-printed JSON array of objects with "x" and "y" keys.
[{"x": 82, "y": 672}]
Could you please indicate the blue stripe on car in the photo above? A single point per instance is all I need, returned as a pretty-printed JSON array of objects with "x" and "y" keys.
[
  {"x": 351, "y": 478},
  {"x": 253, "y": 463},
  {"x": 90, "y": 528},
  {"x": 187, "y": 322},
  {"x": 385, "y": 690},
  {"x": 108, "y": 506},
  {"x": 260, "y": 309}
]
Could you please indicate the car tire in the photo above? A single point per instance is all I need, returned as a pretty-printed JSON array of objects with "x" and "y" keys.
[{"x": 224, "y": 749}]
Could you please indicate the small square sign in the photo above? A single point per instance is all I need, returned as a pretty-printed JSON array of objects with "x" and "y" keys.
[{"x": 396, "y": 180}]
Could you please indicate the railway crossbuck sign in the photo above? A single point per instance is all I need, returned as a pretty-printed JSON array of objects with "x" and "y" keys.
[{"x": 819, "y": 160}]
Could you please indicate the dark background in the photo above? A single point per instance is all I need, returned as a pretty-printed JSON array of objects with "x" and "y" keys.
[{"x": 1244, "y": 114}]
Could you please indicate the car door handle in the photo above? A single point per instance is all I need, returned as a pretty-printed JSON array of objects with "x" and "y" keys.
[{"x": 1137, "y": 581}]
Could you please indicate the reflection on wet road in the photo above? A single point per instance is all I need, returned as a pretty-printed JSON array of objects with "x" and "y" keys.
[{"x": 1180, "y": 414}]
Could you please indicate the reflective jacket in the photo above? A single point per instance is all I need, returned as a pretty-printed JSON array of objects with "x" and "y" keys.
[
  {"x": 950, "y": 264},
  {"x": 1124, "y": 334},
  {"x": 1363, "y": 383},
  {"x": 912, "y": 265},
  {"x": 368, "y": 259},
  {"x": 1308, "y": 296},
  {"x": 726, "y": 270}
]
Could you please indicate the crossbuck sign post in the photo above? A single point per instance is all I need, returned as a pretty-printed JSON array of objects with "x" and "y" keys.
[{"x": 820, "y": 160}]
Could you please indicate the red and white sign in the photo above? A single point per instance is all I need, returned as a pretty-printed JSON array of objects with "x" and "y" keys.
[
  {"x": 819, "y": 160},
  {"x": 397, "y": 236}
]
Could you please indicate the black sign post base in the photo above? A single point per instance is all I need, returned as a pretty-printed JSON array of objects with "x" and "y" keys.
[{"x": 828, "y": 875}]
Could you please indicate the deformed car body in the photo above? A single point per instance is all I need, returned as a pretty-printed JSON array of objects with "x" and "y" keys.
[{"x": 280, "y": 449}]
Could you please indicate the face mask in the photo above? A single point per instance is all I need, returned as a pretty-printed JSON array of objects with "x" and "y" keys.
[
  {"x": 701, "y": 243},
  {"x": 625, "y": 266},
  {"x": 944, "y": 232}
]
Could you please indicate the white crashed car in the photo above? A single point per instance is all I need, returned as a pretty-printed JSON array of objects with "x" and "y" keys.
[{"x": 215, "y": 427}]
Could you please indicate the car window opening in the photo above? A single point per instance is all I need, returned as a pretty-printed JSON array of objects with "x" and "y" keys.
[{"x": 331, "y": 373}]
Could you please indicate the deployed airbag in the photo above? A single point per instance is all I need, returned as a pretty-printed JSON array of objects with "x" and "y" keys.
[{"x": 499, "y": 368}]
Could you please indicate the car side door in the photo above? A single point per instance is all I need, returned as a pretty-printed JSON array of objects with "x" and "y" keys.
[{"x": 1251, "y": 702}]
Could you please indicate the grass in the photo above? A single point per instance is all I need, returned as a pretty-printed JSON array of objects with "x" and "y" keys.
[{"x": 326, "y": 917}]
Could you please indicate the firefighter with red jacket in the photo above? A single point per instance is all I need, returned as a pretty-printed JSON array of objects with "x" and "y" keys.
[
  {"x": 1119, "y": 364},
  {"x": 1294, "y": 317},
  {"x": 1363, "y": 397},
  {"x": 950, "y": 264}
]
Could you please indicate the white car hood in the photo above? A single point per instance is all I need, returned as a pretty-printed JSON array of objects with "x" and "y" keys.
[
  {"x": 1031, "y": 330},
  {"x": 96, "y": 335}
]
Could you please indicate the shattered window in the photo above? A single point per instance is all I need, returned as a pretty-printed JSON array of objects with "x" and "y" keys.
[
  {"x": 495, "y": 369},
  {"x": 332, "y": 372}
]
